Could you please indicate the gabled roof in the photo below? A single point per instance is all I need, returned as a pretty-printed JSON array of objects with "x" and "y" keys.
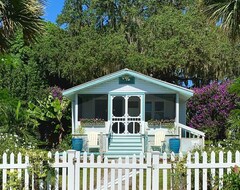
[{"x": 178, "y": 89}]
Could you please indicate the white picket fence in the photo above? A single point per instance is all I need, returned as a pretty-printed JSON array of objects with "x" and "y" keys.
[{"x": 152, "y": 172}]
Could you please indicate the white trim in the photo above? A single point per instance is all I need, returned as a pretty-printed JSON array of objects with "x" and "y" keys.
[
  {"x": 177, "y": 109},
  {"x": 76, "y": 112}
]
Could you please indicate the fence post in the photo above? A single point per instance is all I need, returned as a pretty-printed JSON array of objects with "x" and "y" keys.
[
  {"x": 204, "y": 171},
  {"x": 165, "y": 176},
  {"x": 155, "y": 177},
  {"x": 71, "y": 169},
  {"x": 196, "y": 171},
  {"x": 172, "y": 170},
  {"x": 189, "y": 156},
  {"x": 149, "y": 171},
  {"x": 101, "y": 144}
]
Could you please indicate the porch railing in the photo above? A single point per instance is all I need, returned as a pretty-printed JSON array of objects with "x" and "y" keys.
[{"x": 188, "y": 132}]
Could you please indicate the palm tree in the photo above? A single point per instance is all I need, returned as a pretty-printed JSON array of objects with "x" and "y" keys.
[
  {"x": 24, "y": 15},
  {"x": 227, "y": 12}
]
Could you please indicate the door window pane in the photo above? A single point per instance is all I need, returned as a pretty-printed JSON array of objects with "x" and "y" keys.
[
  {"x": 134, "y": 106},
  {"x": 118, "y": 106}
]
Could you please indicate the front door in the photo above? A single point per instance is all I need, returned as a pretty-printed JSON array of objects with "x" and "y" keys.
[{"x": 126, "y": 114}]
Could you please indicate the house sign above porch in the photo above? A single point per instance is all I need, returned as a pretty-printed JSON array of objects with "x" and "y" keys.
[{"x": 126, "y": 79}]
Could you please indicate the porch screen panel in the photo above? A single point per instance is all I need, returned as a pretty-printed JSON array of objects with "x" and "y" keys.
[
  {"x": 101, "y": 107},
  {"x": 92, "y": 106},
  {"x": 160, "y": 107},
  {"x": 148, "y": 110}
]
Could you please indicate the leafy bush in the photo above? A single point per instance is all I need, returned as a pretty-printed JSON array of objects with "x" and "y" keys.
[
  {"x": 209, "y": 109},
  {"x": 66, "y": 143},
  {"x": 14, "y": 182},
  {"x": 179, "y": 174},
  {"x": 15, "y": 129},
  {"x": 232, "y": 180},
  {"x": 52, "y": 117},
  {"x": 234, "y": 118},
  {"x": 13, "y": 143}
]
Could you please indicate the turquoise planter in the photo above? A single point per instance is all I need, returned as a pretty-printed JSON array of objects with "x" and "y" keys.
[
  {"x": 174, "y": 145},
  {"x": 77, "y": 144}
]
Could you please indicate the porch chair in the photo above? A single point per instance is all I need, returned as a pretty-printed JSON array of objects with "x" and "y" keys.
[
  {"x": 159, "y": 139},
  {"x": 93, "y": 143}
]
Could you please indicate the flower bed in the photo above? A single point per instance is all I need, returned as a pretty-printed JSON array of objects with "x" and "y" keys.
[
  {"x": 167, "y": 123},
  {"x": 85, "y": 122}
]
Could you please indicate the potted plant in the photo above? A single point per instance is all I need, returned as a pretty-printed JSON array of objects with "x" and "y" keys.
[
  {"x": 77, "y": 139},
  {"x": 174, "y": 143}
]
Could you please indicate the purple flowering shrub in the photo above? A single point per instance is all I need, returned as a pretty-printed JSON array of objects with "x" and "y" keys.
[
  {"x": 56, "y": 92},
  {"x": 209, "y": 109}
]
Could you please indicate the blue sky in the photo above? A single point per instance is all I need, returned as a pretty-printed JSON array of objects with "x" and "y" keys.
[{"x": 53, "y": 8}]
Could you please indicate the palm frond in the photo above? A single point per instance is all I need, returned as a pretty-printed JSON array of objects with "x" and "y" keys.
[
  {"x": 228, "y": 12},
  {"x": 21, "y": 14}
]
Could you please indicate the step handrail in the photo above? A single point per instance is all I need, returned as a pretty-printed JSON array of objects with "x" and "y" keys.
[{"x": 191, "y": 130}]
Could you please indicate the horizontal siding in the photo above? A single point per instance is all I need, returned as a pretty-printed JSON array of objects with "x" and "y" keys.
[{"x": 114, "y": 85}]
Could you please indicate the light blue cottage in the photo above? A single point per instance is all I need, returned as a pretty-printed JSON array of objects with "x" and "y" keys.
[{"x": 127, "y": 109}]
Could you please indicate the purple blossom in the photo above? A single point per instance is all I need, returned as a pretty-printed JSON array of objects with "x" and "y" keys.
[
  {"x": 210, "y": 107},
  {"x": 56, "y": 92}
]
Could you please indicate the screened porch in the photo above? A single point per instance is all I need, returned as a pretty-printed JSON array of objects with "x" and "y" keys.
[{"x": 159, "y": 110}]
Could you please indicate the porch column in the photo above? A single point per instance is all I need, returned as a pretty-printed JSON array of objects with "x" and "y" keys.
[
  {"x": 76, "y": 112},
  {"x": 73, "y": 116},
  {"x": 110, "y": 99},
  {"x": 110, "y": 113},
  {"x": 126, "y": 114},
  {"x": 177, "y": 109},
  {"x": 177, "y": 117},
  {"x": 142, "y": 111}
]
